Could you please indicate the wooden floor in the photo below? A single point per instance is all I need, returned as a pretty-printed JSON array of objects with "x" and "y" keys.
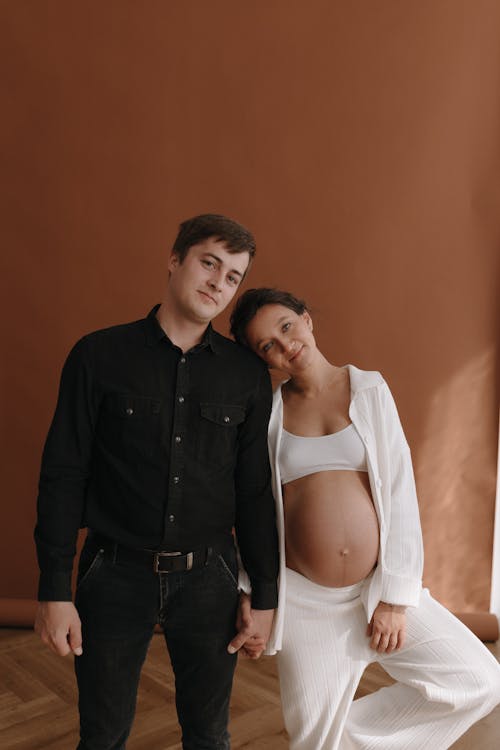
[{"x": 38, "y": 702}]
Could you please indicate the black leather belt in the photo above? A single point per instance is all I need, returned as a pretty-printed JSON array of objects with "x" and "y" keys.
[{"x": 162, "y": 561}]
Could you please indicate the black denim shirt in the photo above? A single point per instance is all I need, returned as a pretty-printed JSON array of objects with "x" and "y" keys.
[{"x": 158, "y": 449}]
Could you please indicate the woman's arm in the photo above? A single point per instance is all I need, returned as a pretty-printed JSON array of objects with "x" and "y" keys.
[{"x": 403, "y": 551}]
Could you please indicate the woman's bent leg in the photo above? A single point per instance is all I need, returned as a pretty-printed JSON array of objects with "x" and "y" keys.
[{"x": 446, "y": 681}]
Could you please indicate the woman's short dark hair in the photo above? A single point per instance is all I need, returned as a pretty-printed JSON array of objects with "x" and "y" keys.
[
  {"x": 237, "y": 238},
  {"x": 252, "y": 300}
]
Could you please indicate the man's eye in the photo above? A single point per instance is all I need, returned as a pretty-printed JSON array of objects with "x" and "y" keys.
[
  {"x": 208, "y": 263},
  {"x": 232, "y": 280}
]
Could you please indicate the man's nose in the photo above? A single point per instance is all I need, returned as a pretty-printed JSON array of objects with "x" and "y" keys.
[{"x": 215, "y": 281}]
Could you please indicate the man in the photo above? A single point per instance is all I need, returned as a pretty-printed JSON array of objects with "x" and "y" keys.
[{"x": 159, "y": 446}]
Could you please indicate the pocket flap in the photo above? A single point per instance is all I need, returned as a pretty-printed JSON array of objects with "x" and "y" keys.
[{"x": 223, "y": 414}]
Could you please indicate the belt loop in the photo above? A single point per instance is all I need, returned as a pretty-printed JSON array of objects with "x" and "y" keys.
[
  {"x": 115, "y": 552},
  {"x": 209, "y": 555}
]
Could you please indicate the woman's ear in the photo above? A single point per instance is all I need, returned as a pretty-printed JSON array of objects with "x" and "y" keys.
[{"x": 308, "y": 320}]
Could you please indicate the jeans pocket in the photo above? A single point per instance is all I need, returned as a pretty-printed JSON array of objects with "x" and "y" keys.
[
  {"x": 232, "y": 577},
  {"x": 88, "y": 566}
]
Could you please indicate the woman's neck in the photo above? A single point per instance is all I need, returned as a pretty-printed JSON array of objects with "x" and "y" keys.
[{"x": 320, "y": 374}]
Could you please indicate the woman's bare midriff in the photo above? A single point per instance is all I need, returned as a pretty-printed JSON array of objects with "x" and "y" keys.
[{"x": 331, "y": 527}]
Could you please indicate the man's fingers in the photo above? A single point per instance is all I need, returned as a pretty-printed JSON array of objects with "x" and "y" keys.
[
  {"x": 75, "y": 639},
  {"x": 58, "y": 625},
  {"x": 238, "y": 641},
  {"x": 250, "y": 642},
  {"x": 58, "y": 642}
]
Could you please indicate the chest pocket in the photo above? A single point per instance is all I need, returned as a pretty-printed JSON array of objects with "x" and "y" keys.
[
  {"x": 130, "y": 424},
  {"x": 217, "y": 433}
]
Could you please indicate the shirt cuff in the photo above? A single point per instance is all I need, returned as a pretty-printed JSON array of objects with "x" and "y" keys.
[
  {"x": 264, "y": 595},
  {"x": 399, "y": 590},
  {"x": 55, "y": 587}
]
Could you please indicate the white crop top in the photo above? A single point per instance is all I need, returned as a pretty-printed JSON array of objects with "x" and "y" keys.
[{"x": 299, "y": 456}]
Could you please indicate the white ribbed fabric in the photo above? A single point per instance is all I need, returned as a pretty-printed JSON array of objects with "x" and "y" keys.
[{"x": 446, "y": 678}]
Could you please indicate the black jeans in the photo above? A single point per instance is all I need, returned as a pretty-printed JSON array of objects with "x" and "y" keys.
[{"x": 119, "y": 604}]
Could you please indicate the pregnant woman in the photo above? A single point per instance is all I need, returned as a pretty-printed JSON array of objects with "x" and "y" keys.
[{"x": 351, "y": 557}]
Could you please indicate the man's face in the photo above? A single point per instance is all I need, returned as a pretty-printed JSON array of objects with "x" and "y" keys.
[{"x": 206, "y": 281}]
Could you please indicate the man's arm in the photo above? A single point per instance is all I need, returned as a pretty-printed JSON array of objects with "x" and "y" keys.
[
  {"x": 63, "y": 481},
  {"x": 255, "y": 521}
]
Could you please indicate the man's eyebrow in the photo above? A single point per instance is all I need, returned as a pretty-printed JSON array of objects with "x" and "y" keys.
[{"x": 219, "y": 260}]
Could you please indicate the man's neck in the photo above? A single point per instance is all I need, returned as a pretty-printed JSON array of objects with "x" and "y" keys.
[{"x": 181, "y": 331}]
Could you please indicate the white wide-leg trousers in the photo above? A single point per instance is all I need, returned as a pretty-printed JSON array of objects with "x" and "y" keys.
[{"x": 446, "y": 678}]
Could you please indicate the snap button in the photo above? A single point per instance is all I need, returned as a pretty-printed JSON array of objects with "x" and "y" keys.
[
  {"x": 181, "y": 399},
  {"x": 226, "y": 419},
  {"x": 176, "y": 480},
  {"x": 129, "y": 411},
  {"x": 178, "y": 438},
  {"x": 171, "y": 518}
]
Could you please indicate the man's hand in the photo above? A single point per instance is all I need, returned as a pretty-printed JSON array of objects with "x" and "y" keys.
[
  {"x": 59, "y": 626},
  {"x": 387, "y": 628},
  {"x": 254, "y": 629}
]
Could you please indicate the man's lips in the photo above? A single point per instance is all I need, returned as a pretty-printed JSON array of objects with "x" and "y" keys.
[{"x": 207, "y": 296}]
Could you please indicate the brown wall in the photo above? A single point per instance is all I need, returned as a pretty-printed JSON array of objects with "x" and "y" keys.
[{"x": 359, "y": 140}]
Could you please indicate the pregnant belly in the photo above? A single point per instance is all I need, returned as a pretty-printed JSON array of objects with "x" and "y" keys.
[{"x": 331, "y": 527}]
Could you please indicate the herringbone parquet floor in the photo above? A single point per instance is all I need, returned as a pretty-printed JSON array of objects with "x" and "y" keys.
[{"x": 38, "y": 702}]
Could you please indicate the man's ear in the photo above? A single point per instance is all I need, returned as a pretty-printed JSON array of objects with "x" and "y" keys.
[{"x": 173, "y": 261}]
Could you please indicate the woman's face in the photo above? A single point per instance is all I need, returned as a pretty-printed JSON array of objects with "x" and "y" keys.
[{"x": 282, "y": 338}]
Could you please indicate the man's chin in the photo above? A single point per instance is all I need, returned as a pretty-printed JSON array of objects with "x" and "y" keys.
[{"x": 205, "y": 316}]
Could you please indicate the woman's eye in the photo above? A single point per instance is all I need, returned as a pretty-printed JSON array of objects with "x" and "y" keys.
[
  {"x": 285, "y": 327},
  {"x": 267, "y": 346}
]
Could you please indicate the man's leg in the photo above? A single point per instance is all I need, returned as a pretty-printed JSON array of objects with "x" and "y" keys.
[
  {"x": 118, "y": 606},
  {"x": 198, "y": 617}
]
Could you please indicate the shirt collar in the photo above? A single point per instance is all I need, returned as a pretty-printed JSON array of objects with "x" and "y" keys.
[{"x": 155, "y": 333}]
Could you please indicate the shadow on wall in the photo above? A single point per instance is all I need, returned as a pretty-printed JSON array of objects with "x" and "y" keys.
[{"x": 456, "y": 473}]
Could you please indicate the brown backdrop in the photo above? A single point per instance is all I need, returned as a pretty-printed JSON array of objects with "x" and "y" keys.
[{"x": 359, "y": 140}]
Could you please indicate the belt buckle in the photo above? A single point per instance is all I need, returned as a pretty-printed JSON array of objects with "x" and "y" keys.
[{"x": 157, "y": 555}]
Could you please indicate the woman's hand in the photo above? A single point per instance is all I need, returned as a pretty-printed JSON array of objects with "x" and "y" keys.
[{"x": 387, "y": 628}]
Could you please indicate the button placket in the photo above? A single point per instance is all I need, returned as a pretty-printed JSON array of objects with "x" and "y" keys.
[{"x": 176, "y": 464}]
